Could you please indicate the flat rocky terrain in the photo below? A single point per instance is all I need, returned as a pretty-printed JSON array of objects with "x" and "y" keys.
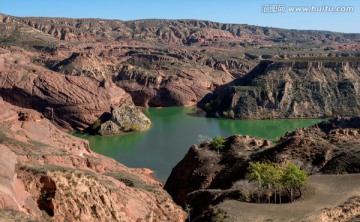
[{"x": 335, "y": 198}]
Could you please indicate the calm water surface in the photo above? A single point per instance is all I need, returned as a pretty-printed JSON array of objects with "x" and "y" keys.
[{"x": 172, "y": 133}]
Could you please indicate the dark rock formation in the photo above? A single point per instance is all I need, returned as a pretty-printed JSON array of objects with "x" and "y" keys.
[
  {"x": 303, "y": 88},
  {"x": 203, "y": 168}
]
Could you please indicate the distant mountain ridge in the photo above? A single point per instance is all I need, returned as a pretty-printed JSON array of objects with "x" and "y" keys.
[{"x": 177, "y": 32}]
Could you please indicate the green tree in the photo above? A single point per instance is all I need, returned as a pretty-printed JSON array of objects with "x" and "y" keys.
[
  {"x": 271, "y": 178},
  {"x": 256, "y": 174},
  {"x": 275, "y": 173},
  {"x": 293, "y": 177},
  {"x": 218, "y": 143},
  {"x": 267, "y": 183}
]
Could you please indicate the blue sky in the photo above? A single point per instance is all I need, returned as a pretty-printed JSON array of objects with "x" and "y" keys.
[{"x": 226, "y": 11}]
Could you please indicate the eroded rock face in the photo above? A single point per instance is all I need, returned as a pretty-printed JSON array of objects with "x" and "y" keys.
[
  {"x": 10, "y": 197},
  {"x": 125, "y": 118},
  {"x": 291, "y": 89},
  {"x": 50, "y": 175},
  {"x": 169, "y": 79},
  {"x": 163, "y": 62},
  {"x": 70, "y": 101},
  {"x": 153, "y": 77}
]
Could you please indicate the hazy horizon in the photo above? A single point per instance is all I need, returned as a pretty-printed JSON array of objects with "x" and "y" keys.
[{"x": 258, "y": 13}]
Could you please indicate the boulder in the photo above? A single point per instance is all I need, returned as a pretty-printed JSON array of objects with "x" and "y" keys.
[{"x": 125, "y": 118}]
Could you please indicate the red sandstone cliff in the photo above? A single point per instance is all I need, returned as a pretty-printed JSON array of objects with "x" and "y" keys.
[{"x": 48, "y": 174}]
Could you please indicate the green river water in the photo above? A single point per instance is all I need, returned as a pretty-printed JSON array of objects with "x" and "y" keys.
[{"x": 172, "y": 133}]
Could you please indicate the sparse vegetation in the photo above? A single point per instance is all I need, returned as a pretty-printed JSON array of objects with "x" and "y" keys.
[{"x": 131, "y": 180}]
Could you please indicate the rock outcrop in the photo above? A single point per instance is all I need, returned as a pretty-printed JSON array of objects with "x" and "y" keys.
[
  {"x": 125, "y": 118},
  {"x": 303, "y": 88},
  {"x": 153, "y": 76},
  {"x": 47, "y": 174},
  {"x": 204, "y": 168},
  {"x": 84, "y": 64}
]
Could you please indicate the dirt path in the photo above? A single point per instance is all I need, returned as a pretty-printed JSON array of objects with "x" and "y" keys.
[{"x": 330, "y": 191}]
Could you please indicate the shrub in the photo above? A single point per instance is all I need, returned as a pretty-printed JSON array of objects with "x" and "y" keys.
[
  {"x": 208, "y": 107},
  {"x": 246, "y": 188},
  {"x": 218, "y": 143},
  {"x": 232, "y": 114}
]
